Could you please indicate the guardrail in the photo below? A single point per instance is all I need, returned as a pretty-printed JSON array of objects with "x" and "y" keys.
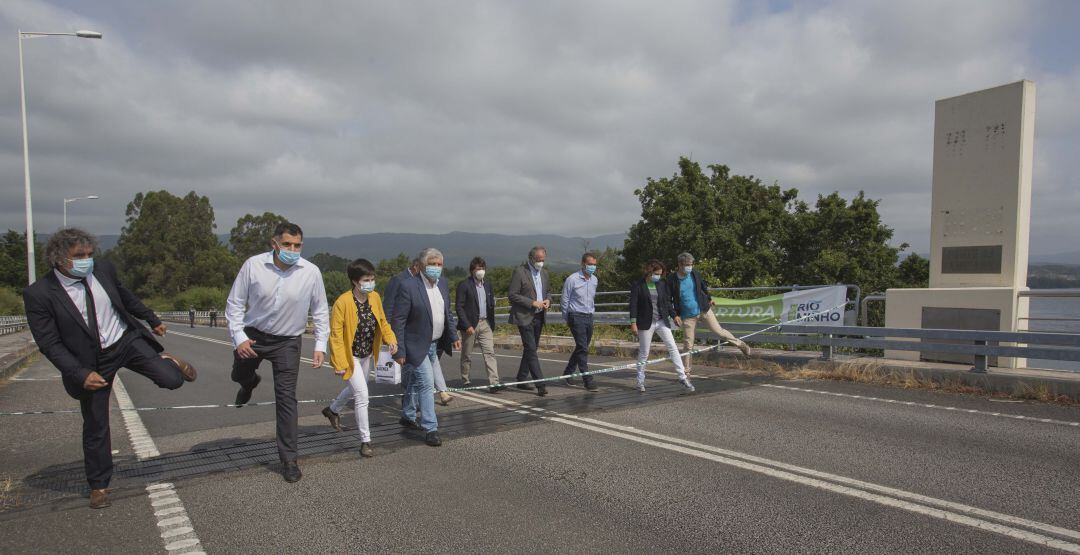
[
  {"x": 502, "y": 303},
  {"x": 12, "y": 324},
  {"x": 1024, "y": 323}
]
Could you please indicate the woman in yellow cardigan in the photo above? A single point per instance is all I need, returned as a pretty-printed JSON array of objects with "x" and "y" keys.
[{"x": 358, "y": 329}]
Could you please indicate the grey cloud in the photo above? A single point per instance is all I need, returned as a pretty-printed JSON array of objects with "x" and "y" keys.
[{"x": 514, "y": 117}]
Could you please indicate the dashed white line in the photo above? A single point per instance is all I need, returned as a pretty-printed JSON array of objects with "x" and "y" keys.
[
  {"x": 173, "y": 518},
  {"x": 924, "y": 405}
]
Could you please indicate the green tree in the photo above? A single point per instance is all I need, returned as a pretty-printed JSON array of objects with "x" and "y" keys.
[
  {"x": 164, "y": 247},
  {"x": 841, "y": 242},
  {"x": 330, "y": 262},
  {"x": 745, "y": 233},
  {"x": 737, "y": 222},
  {"x": 13, "y": 259},
  {"x": 335, "y": 283},
  {"x": 913, "y": 272},
  {"x": 252, "y": 234}
]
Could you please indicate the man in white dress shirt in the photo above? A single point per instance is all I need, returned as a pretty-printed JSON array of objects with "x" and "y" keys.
[{"x": 267, "y": 313}]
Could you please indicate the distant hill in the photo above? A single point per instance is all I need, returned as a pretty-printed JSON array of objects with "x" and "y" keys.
[
  {"x": 1059, "y": 258},
  {"x": 459, "y": 247}
]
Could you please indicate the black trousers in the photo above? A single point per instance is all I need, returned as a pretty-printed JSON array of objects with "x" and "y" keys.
[
  {"x": 133, "y": 352},
  {"x": 581, "y": 327},
  {"x": 283, "y": 352},
  {"x": 530, "y": 341}
]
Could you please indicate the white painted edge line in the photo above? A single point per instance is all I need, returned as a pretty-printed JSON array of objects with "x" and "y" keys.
[
  {"x": 882, "y": 495},
  {"x": 924, "y": 405},
  {"x": 177, "y": 534}
]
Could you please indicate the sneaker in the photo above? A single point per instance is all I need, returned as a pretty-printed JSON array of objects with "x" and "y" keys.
[
  {"x": 365, "y": 450},
  {"x": 689, "y": 386},
  {"x": 591, "y": 386},
  {"x": 641, "y": 388},
  {"x": 333, "y": 417}
]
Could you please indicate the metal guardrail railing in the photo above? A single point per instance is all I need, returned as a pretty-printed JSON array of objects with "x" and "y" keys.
[
  {"x": 12, "y": 324},
  {"x": 502, "y": 303}
]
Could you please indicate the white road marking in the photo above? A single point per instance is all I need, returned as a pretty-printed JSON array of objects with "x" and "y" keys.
[
  {"x": 161, "y": 494},
  {"x": 883, "y": 495},
  {"x": 923, "y": 405}
]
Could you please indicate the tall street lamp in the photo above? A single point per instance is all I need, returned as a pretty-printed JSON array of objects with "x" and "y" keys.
[
  {"x": 69, "y": 200},
  {"x": 30, "y": 269}
]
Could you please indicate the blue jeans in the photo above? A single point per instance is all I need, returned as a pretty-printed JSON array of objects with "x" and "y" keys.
[{"x": 421, "y": 387}]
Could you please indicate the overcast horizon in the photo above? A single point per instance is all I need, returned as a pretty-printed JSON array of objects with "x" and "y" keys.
[{"x": 515, "y": 117}]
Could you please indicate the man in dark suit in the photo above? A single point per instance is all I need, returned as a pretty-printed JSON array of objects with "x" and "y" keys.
[
  {"x": 423, "y": 325},
  {"x": 475, "y": 306},
  {"x": 530, "y": 298},
  {"x": 87, "y": 324}
]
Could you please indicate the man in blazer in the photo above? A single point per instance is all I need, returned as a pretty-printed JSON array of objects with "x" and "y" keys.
[
  {"x": 442, "y": 392},
  {"x": 475, "y": 306},
  {"x": 88, "y": 325},
  {"x": 530, "y": 298},
  {"x": 423, "y": 325}
]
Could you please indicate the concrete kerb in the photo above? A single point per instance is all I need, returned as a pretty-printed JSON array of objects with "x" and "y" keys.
[
  {"x": 998, "y": 381},
  {"x": 15, "y": 350}
]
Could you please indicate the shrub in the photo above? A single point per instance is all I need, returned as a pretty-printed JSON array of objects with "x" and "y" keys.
[
  {"x": 10, "y": 302},
  {"x": 202, "y": 298}
]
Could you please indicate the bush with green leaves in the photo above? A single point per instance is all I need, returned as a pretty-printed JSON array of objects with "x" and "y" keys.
[
  {"x": 10, "y": 302},
  {"x": 202, "y": 298}
]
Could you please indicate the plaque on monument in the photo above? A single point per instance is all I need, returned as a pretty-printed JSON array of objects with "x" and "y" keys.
[{"x": 971, "y": 260}]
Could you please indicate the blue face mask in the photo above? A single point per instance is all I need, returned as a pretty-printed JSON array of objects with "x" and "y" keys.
[
  {"x": 590, "y": 269},
  {"x": 654, "y": 278},
  {"x": 367, "y": 286},
  {"x": 288, "y": 257},
  {"x": 433, "y": 272},
  {"x": 81, "y": 267}
]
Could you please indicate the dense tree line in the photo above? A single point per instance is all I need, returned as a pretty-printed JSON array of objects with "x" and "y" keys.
[{"x": 742, "y": 231}]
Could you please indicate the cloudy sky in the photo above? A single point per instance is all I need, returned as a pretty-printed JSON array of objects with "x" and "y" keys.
[{"x": 514, "y": 116}]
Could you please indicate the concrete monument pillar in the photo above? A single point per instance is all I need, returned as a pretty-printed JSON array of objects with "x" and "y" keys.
[{"x": 980, "y": 217}]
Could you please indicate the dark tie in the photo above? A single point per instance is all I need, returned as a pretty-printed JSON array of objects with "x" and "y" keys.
[{"x": 91, "y": 312}]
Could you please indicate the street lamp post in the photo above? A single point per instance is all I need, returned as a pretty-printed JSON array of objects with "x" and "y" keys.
[
  {"x": 69, "y": 200},
  {"x": 30, "y": 269}
]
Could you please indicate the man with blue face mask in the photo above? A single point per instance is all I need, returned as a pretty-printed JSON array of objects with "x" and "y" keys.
[
  {"x": 88, "y": 325},
  {"x": 578, "y": 303},
  {"x": 267, "y": 313},
  {"x": 423, "y": 325}
]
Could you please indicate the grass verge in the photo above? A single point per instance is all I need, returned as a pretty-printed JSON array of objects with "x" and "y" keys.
[{"x": 876, "y": 373}]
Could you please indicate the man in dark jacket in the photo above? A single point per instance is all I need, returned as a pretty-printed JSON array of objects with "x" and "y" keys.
[
  {"x": 693, "y": 303},
  {"x": 423, "y": 325},
  {"x": 87, "y": 324},
  {"x": 475, "y": 306},
  {"x": 530, "y": 298}
]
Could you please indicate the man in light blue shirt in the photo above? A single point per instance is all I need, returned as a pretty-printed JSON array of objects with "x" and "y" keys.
[{"x": 578, "y": 305}]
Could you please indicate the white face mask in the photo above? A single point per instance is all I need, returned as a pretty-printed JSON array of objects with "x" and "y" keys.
[
  {"x": 687, "y": 269},
  {"x": 480, "y": 274},
  {"x": 538, "y": 265}
]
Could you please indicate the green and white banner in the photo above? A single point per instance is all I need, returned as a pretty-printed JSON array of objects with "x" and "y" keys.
[{"x": 823, "y": 306}]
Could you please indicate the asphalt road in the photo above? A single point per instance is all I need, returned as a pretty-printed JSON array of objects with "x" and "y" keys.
[{"x": 741, "y": 466}]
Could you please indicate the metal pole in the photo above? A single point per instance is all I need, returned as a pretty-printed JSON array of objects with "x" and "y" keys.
[{"x": 31, "y": 269}]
